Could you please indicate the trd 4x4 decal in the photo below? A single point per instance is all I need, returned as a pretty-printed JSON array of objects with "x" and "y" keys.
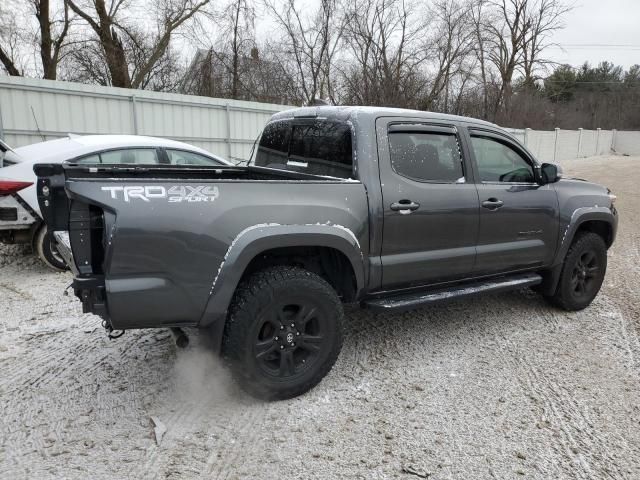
[{"x": 174, "y": 194}]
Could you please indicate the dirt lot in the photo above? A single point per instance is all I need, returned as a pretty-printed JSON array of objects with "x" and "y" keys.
[{"x": 498, "y": 387}]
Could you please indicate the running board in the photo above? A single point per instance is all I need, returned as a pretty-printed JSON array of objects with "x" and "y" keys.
[{"x": 419, "y": 299}]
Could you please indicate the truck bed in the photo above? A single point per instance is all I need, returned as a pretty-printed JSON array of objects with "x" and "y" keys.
[{"x": 152, "y": 243}]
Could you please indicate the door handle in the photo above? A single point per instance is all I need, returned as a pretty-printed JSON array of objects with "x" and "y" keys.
[
  {"x": 492, "y": 203},
  {"x": 405, "y": 206}
]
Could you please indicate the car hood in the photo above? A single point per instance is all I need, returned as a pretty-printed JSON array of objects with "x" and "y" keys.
[{"x": 574, "y": 194}]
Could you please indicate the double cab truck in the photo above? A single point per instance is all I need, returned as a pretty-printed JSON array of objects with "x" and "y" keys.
[{"x": 388, "y": 209}]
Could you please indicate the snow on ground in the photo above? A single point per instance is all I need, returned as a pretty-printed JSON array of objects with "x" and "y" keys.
[{"x": 498, "y": 387}]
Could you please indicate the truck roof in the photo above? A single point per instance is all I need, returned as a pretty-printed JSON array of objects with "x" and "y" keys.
[{"x": 353, "y": 112}]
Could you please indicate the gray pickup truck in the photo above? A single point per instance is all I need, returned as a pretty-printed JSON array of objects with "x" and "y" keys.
[{"x": 386, "y": 208}]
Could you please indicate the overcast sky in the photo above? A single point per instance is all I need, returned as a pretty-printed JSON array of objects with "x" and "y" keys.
[{"x": 591, "y": 29}]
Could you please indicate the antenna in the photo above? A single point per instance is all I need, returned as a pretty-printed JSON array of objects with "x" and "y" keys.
[{"x": 37, "y": 126}]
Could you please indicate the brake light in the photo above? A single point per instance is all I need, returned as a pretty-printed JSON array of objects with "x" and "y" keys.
[{"x": 9, "y": 187}]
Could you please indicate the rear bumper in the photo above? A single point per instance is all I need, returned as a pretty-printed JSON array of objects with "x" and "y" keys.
[{"x": 16, "y": 220}]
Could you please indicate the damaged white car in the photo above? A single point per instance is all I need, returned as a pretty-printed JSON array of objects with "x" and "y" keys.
[{"x": 20, "y": 218}]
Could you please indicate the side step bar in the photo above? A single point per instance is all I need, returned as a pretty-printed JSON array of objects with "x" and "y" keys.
[{"x": 420, "y": 299}]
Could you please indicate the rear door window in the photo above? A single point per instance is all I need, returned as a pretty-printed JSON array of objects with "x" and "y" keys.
[
  {"x": 319, "y": 148},
  {"x": 183, "y": 157},
  {"x": 426, "y": 156},
  {"x": 90, "y": 160},
  {"x": 135, "y": 156},
  {"x": 125, "y": 156}
]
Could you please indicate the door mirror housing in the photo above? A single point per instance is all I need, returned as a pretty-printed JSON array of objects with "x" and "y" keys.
[{"x": 550, "y": 173}]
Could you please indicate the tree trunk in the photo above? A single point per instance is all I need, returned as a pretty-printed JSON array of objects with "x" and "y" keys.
[
  {"x": 46, "y": 42},
  {"x": 116, "y": 59},
  {"x": 113, "y": 48}
]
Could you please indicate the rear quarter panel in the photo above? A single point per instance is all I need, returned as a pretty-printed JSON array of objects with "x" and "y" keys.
[{"x": 162, "y": 257}]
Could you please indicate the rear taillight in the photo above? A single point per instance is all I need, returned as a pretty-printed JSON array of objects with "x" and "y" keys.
[{"x": 9, "y": 187}]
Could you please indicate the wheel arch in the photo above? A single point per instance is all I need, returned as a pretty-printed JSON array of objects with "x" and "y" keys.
[
  {"x": 600, "y": 227},
  {"x": 271, "y": 244},
  {"x": 599, "y": 220}
]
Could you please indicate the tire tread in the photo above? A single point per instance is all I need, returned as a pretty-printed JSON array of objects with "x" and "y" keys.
[
  {"x": 559, "y": 298},
  {"x": 249, "y": 296}
]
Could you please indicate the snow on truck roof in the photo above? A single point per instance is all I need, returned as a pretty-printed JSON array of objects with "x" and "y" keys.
[{"x": 353, "y": 112}]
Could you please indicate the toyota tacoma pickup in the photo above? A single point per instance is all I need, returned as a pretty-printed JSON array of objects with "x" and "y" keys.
[{"x": 388, "y": 209}]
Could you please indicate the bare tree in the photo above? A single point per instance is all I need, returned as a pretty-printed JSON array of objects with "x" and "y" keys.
[
  {"x": 9, "y": 39},
  {"x": 507, "y": 40},
  {"x": 544, "y": 17},
  {"x": 310, "y": 43},
  {"x": 478, "y": 13},
  {"x": 382, "y": 37},
  {"x": 241, "y": 16},
  {"x": 110, "y": 26},
  {"x": 450, "y": 46},
  {"x": 53, "y": 30},
  {"x": 237, "y": 43},
  {"x": 518, "y": 39},
  {"x": 85, "y": 64}
]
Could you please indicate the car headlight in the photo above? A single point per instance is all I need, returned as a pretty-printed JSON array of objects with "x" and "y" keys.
[{"x": 612, "y": 197}]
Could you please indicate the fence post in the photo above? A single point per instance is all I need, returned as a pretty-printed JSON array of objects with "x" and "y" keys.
[
  {"x": 134, "y": 114},
  {"x": 526, "y": 137},
  {"x": 228, "y": 113},
  {"x": 579, "y": 142},
  {"x": 598, "y": 141},
  {"x": 614, "y": 134},
  {"x": 1, "y": 127},
  {"x": 555, "y": 144}
]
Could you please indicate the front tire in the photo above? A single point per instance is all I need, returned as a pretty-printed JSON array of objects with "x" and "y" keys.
[
  {"x": 45, "y": 246},
  {"x": 283, "y": 333},
  {"x": 582, "y": 273}
]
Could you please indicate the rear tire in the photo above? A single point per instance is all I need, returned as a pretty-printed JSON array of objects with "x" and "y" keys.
[
  {"x": 582, "y": 273},
  {"x": 283, "y": 332},
  {"x": 45, "y": 246}
]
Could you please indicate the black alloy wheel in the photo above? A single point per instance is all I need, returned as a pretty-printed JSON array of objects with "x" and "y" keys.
[
  {"x": 582, "y": 272},
  {"x": 283, "y": 332}
]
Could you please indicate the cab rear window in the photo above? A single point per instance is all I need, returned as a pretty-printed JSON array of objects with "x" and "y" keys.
[{"x": 317, "y": 147}]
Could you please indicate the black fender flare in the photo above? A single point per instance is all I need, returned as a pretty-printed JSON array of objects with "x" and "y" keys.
[
  {"x": 256, "y": 239},
  {"x": 578, "y": 217}
]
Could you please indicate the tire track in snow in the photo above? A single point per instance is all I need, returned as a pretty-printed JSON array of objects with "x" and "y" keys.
[{"x": 579, "y": 440}]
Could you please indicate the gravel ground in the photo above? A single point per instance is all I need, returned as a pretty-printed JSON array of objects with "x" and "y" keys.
[{"x": 498, "y": 387}]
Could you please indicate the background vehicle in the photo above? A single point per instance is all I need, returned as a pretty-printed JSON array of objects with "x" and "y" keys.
[
  {"x": 390, "y": 208},
  {"x": 20, "y": 219}
]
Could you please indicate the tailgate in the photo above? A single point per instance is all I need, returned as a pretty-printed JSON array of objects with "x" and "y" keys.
[{"x": 77, "y": 227}]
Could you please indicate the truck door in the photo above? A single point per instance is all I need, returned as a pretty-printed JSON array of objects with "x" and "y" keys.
[
  {"x": 518, "y": 217},
  {"x": 430, "y": 204}
]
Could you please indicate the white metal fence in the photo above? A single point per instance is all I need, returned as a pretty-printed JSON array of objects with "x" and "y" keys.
[
  {"x": 558, "y": 145},
  {"x": 32, "y": 110}
]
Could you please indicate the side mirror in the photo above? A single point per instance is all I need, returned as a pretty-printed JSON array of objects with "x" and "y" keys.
[{"x": 550, "y": 173}]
